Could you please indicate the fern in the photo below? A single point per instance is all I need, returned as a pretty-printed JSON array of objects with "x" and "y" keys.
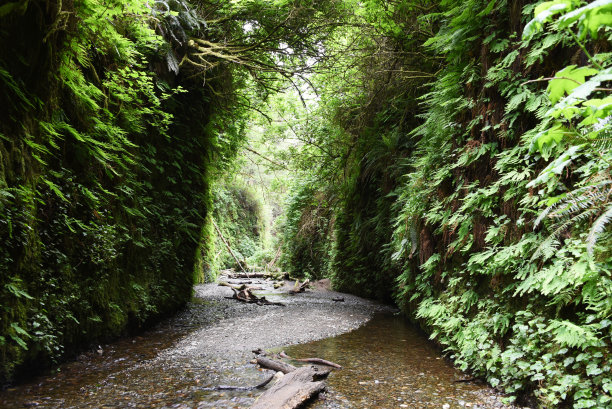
[
  {"x": 582, "y": 204},
  {"x": 569, "y": 334},
  {"x": 598, "y": 228}
]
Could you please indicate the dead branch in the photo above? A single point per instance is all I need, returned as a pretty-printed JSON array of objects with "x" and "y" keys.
[
  {"x": 229, "y": 248},
  {"x": 275, "y": 365},
  {"x": 299, "y": 288},
  {"x": 244, "y": 294},
  {"x": 317, "y": 361}
]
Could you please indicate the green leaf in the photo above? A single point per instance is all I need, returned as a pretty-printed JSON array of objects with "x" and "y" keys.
[
  {"x": 13, "y": 288},
  {"x": 56, "y": 190},
  {"x": 590, "y": 18},
  {"x": 544, "y": 13},
  {"x": 567, "y": 80},
  {"x": 592, "y": 369},
  {"x": 19, "y": 341},
  {"x": 14, "y": 6},
  {"x": 549, "y": 136},
  {"x": 569, "y": 334},
  {"x": 487, "y": 9}
]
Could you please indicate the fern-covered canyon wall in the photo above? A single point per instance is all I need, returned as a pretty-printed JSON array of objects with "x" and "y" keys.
[
  {"x": 240, "y": 215},
  {"x": 452, "y": 157},
  {"x": 120, "y": 128},
  {"x": 474, "y": 188},
  {"x": 107, "y": 150}
]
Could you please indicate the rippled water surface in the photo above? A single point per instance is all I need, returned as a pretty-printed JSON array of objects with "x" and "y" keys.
[{"x": 389, "y": 364}]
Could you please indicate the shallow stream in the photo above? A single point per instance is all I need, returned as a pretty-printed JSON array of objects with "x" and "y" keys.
[
  {"x": 389, "y": 364},
  {"x": 386, "y": 363}
]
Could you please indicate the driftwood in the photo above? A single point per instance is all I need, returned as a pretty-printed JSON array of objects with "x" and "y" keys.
[
  {"x": 296, "y": 387},
  {"x": 320, "y": 361},
  {"x": 275, "y": 365},
  {"x": 292, "y": 390},
  {"x": 239, "y": 287},
  {"x": 299, "y": 288},
  {"x": 248, "y": 275},
  {"x": 317, "y": 361},
  {"x": 245, "y": 294}
]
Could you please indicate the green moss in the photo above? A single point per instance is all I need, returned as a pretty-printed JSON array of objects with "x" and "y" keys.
[{"x": 105, "y": 175}]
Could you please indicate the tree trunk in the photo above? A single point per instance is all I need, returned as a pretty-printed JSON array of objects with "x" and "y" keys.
[{"x": 293, "y": 390}]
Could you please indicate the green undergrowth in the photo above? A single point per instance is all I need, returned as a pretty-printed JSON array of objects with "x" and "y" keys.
[
  {"x": 508, "y": 280},
  {"x": 307, "y": 226},
  {"x": 240, "y": 217},
  {"x": 478, "y": 197},
  {"x": 106, "y": 155}
]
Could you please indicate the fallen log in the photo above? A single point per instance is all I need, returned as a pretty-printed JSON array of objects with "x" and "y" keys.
[
  {"x": 299, "y": 288},
  {"x": 320, "y": 361},
  {"x": 293, "y": 390},
  {"x": 248, "y": 275},
  {"x": 277, "y": 366},
  {"x": 245, "y": 294},
  {"x": 240, "y": 388},
  {"x": 241, "y": 287}
]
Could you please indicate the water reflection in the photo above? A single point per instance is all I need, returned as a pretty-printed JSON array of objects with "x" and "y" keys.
[{"x": 389, "y": 364}]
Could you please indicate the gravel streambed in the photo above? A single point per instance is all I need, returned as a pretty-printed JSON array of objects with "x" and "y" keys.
[
  {"x": 207, "y": 344},
  {"x": 179, "y": 363}
]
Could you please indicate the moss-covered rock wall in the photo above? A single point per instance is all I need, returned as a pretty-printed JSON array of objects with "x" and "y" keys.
[{"x": 104, "y": 173}]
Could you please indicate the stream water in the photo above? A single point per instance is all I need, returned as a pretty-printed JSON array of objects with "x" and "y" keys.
[{"x": 387, "y": 364}]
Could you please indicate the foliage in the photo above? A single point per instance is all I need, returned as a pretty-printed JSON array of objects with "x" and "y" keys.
[
  {"x": 307, "y": 227},
  {"x": 107, "y": 153},
  {"x": 350, "y": 148},
  {"x": 487, "y": 211},
  {"x": 239, "y": 214},
  {"x": 120, "y": 116},
  {"x": 452, "y": 155},
  {"x": 526, "y": 310}
]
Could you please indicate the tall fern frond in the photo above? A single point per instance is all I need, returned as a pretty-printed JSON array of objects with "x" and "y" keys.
[
  {"x": 603, "y": 143},
  {"x": 598, "y": 228}
]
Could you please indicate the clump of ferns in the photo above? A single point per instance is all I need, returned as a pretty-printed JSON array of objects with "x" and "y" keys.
[
  {"x": 589, "y": 203},
  {"x": 582, "y": 204}
]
